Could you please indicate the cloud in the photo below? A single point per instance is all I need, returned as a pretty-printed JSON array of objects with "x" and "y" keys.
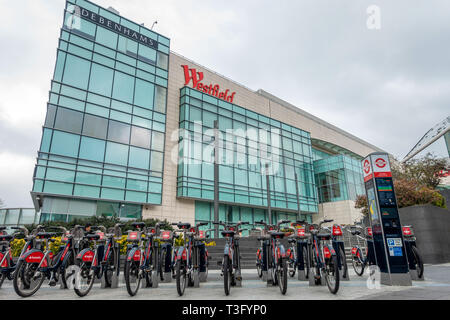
[{"x": 386, "y": 86}]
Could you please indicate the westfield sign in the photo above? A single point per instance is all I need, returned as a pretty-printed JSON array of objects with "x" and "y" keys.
[{"x": 212, "y": 89}]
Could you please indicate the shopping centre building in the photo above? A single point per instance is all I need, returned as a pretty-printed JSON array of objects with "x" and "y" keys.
[{"x": 129, "y": 132}]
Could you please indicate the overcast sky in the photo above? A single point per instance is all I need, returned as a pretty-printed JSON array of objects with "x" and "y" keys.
[{"x": 387, "y": 86}]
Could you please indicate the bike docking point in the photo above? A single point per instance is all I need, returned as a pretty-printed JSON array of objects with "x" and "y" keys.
[
  {"x": 414, "y": 275},
  {"x": 196, "y": 276},
  {"x": 167, "y": 277},
  {"x": 312, "y": 282},
  {"x": 203, "y": 276},
  {"x": 264, "y": 276},
  {"x": 301, "y": 275},
  {"x": 237, "y": 275}
]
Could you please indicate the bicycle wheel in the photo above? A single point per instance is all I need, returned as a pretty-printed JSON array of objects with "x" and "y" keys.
[
  {"x": 162, "y": 264},
  {"x": 27, "y": 279},
  {"x": 84, "y": 279},
  {"x": 2, "y": 278},
  {"x": 358, "y": 264},
  {"x": 306, "y": 261},
  {"x": 64, "y": 274},
  {"x": 343, "y": 262},
  {"x": 181, "y": 277},
  {"x": 132, "y": 277},
  {"x": 419, "y": 262},
  {"x": 227, "y": 269},
  {"x": 282, "y": 276},
  {"x": 109, "y": 269},
  {"x": 332, "y": 274},
  {"x": 292, "y": 265}
]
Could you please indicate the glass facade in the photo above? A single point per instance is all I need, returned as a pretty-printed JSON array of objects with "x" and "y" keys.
[
  {"x": 338, "y": 178},
  {"x": 103, "y": 136},
  {"x": 241, "y": 172}
]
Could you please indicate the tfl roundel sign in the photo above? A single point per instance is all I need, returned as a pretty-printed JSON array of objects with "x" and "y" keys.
[
  {"x": 366, "y": 166},
  {"x": 380, "y": 163}
]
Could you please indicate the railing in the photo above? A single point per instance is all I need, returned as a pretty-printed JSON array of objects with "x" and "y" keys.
[{"x": 18, "y": 216}]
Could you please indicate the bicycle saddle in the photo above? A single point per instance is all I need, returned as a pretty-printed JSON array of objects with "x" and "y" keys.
[
  {"x": 261, "y": 238},
  {"x": 185, "y": 225},
  {"x": 356, "y": 232},
  {"x": 45, "y": 235},
  {"x": 138, "y": 224},
  {"x": 92, "y": 236},
  {"x": 291, "y": 240},
  {"x": 6, "y": 237},
  {"x": 227, "y": 233},
  {"x": 277, "y": 234}
]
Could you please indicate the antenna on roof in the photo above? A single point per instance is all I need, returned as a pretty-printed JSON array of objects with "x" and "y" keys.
[{"x": 153, "y": 24}]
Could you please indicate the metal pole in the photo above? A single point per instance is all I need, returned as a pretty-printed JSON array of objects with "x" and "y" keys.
[
  {"x": 299, "y": 212},
  {"x": 269, "y": 208},
  {"x": 216, "y": 177}
]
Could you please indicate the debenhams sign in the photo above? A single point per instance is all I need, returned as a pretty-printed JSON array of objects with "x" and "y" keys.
[{"x": 77, "y": 11}]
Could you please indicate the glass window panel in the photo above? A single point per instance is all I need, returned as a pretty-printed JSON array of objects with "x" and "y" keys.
[
  {"x": 58, "y": 187},
  {"x": 60, "y": 175},
  {"x": 101, "y": 80},
  {"x": 139, "y": 158},
  {"x": 68, "y": 120},
  {"x": 157, "y": 141},
  {"x": 144, "y": 93},
  {"x": 123, "y": 87},
  {"x": 116, "y": 153},
  {"x": 156, "y": 161},
  {"x": 113, "y": 194},
  {"x": 106, "y": 37},
  {"x": 76, "y": 72},
  {"x": 86, "y": 191},
  {"x": 148, "y": 54},
  {"x": 163, "y": 60},
  {"x": 140, "y": 137},
  {"x": 92, "y": 149},
  {"x": 65, "y": 144},
  {"x": 118, "y": 132},
  {"x": 114, "y": 182},
  {"x": 160, "y": 99},
  {"x": 50, "y": 117},
  {"x": 95, "y": 126},
  {"x": 88, "y": 178}
]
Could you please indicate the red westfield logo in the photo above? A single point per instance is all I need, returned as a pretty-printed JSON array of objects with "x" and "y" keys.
[{"x": 214, "y": 90}]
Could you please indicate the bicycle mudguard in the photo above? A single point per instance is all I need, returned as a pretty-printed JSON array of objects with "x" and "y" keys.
[
  {"x": 227, "y": 251},
  {"x": 281, "y": 252},
  {"x": 134, "y": 254},
  {"x": 331, "y": 250},
  {"x": 34, "y": 256},
  {"x": 181, "y": 254},
  {"x": 86, "y": 255}
]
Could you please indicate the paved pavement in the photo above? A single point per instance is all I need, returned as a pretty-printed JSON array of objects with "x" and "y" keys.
[{"x": 435, "y": 286}]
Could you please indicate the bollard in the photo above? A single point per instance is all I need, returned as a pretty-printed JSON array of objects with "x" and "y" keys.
[
  {"x": 155, "y": 280},
  {"x": 203, "y": 276},
  {"x": 196, "y": 278},
  {"x": 414, "y": 276},
  {"x": 264, "y": 276},
  {"x": 238, "y": 278},
  {"x": 167, "y": 277},
  {"x": 302, "y": 276}
]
